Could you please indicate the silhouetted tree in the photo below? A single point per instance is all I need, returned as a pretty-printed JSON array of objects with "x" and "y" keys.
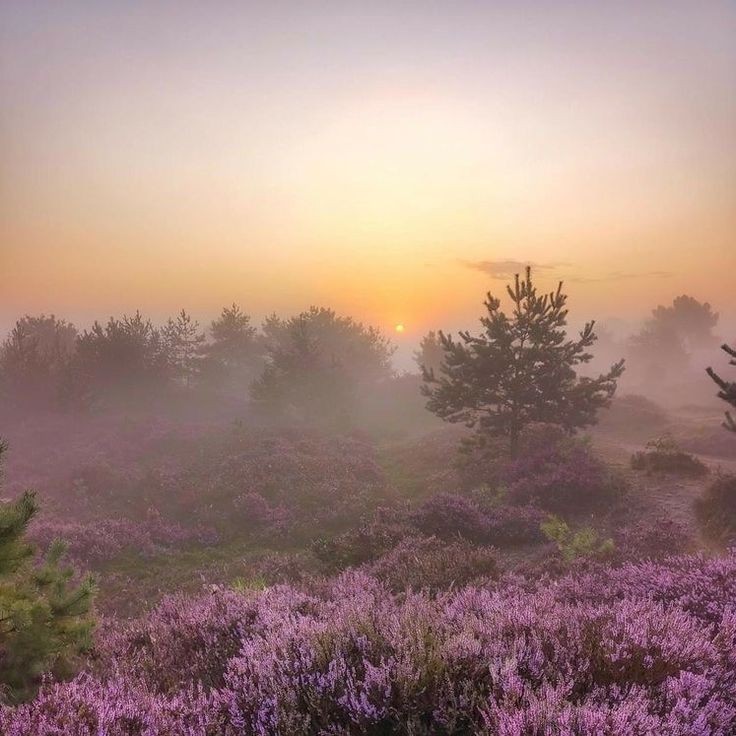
[
  {"x": 519, "y": 371},
  {"x": 727, "y": 388},
  {"x": 658, "y": 351},
  {"x": 302, "y": 382},
  {"x": 45, "y": 619},
  {"x": 124, "y": 359},
  {"x": 234, "y": 351},
  {"x": 691, "y": 320},
  {"x": 430, "y": 353},
  {"x": 183, "y": 343},
  {"x": 363, "y": 351},
  {"x": 317, "y": 363},
  {"x": 33, "y": 359}
]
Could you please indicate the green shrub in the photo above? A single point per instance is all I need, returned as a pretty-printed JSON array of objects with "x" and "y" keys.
[
  {"x": 663, "y": 455},
  {"x": 573, "y": 545},
  {"x": 715, "y": 510}
]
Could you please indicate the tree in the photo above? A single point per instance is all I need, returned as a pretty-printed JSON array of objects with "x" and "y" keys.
[
  {"x": 690, "y": 319},
  {"x": 658, "y": 351},
  {"x": 45, "y": 618},
  {"x": 33, "y": 359},
  {"x": 234, "y": 351},
  {"x": 317, "y": 363},
  {"x": 362, "y": 350},
  {"x": 521, "y": 370},
  {"x": 430, "y": 353},
  {"x": 122, "y": 360},
  {"x": 727, "y": 388},
  {"x": 183, "y": 343},
  {"x": 302, "y": 382}
]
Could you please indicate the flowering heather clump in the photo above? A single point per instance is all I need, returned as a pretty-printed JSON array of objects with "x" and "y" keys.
[
  {"x": 715, "y": 510},
  {"x": 100, "y": 540},
  {"x": 560, "y": 475},
  {"x": 511, "y": 526},
  {"x": 429, "y": 563},
  {"x": 653, "y": 538},
  {"x": 644, "y": 649},
  {"x": 304, "y": 480},
  {"x": 362, "y": 544},
  {"x": 448, "y": 515}
]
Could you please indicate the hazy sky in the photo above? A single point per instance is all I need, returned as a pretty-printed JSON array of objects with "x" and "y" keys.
[{"x": 391, "y": 159}]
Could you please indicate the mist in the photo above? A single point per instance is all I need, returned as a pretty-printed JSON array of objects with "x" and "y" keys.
[{"x": 367, "y": 369}]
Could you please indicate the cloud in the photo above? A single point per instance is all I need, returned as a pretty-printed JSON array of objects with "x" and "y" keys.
[
  {"x": 618, "y": 276},
  {"x": 503, "y": 270},
  {"x": 506, "y": 269}
]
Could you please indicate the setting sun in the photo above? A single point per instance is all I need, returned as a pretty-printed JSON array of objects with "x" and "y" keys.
[{"x": 399, "y": 328}]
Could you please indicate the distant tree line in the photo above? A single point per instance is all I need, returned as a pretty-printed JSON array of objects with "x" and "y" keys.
[{"x": 310, "y": 366}]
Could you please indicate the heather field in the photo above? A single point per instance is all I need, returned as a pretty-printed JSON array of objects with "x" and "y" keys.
[{"x": 270, "y": 580}]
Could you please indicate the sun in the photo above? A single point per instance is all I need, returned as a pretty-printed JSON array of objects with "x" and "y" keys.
[{"x": 399, "y": 327}]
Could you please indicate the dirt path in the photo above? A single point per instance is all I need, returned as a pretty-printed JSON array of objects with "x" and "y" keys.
[{"x": 671, "y": 493}]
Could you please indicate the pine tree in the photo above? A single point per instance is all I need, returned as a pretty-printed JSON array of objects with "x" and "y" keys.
[
  {"x": 519, "y": 371},
  {"x": 183, "y": 342},
  {"x": 727, "y": 388},
  {"x": 430, "y": 353},
  {"x": 45, "y": 618},
  {"x": 300, "y": 381},
  {"x": 234, "y": 352}
]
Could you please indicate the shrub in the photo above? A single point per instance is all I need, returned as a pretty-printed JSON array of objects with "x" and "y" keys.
[
  {"x": 715, "y": 510},
  {"x": 663, "y": 455},
  {"x": 421, "y": 563},
  {"x": 45, "y": 620},
  {"x": 448, "y": 516},
  {"x": 561, "y": 475},
  {"x": 511, "y": 526},
  {"x": 573, "y": 545},
  {"x": 364, "y": 543},
  {"x": 652, "y": 538}
]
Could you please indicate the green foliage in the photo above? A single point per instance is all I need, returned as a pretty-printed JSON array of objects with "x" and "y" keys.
[
  {"x": 183, "y": 344},
  {"x": 33, "y": 359},
  {"x": 727, "y": 390},
  {"x": 234, "y": 352},
  {"x": 520, "y": 370},
  {"x": 715, "y": 510},
  {"x": 125, "y": 359},
  {"x": 573, "y": 545},
  {"x": 45, "y": 616},
  {"x": 317, "y": 362},
  {"x": 430, "y": 354},
  {"x": 663, "y": 455}
]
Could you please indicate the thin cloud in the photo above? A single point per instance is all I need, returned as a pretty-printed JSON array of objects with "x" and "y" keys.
[
  {"x": 618, "y": 276},
  {"x": 506, "y": 269}
]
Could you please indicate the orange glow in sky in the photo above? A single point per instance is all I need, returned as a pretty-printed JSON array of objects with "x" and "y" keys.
[{"x": 387, "y": 161}]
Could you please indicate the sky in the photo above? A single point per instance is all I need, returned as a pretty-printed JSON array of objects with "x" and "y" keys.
[{"x": 392, "y": 160}]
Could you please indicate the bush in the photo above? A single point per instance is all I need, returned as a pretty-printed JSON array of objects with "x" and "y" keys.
[
  {"x": 560, "y": 474},
  {"x": 574, "y": 545},
  {"x": 715, "y": 510},
  {"x": 449, "y": 516},
  {"x": 652, "y": 538},
  {"x": 420, "y": 563},
  {"x": 663, "y": 455},
  {"x": 365, "y": 543},
  {"x": 511, "y": 526}
]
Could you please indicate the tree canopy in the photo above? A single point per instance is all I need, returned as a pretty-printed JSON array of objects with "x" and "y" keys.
[
  {"x": 727, "y": 390},
  {"x": 519, "y": 370},
  {"x": 45, "y": 617}
]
